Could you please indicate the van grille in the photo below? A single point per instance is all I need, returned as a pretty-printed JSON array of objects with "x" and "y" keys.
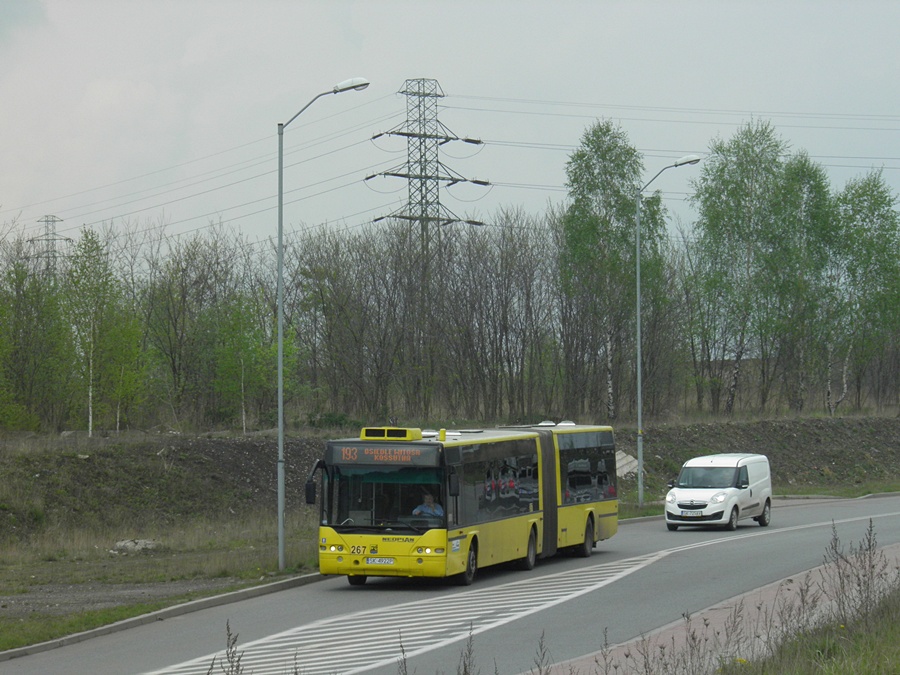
[{"x": 692, "y": 504}]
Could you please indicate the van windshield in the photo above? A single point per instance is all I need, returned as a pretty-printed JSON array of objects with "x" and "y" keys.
[{"x": 706, "y": 477}]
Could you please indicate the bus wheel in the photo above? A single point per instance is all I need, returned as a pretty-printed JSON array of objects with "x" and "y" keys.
[
  {"x": 527, "y": 563},
  {"x": 467, "y": 577},
  {"x": 357, "y": 580},
  {"x": 587, "y": 546}
]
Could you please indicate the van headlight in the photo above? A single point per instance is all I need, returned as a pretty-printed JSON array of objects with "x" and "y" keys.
[
  {"x": 670, "y": 498},
  {"x": 718, "y": 498}
]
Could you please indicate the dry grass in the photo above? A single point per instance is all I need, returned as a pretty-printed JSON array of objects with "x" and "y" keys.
[
  {"x": 238, "y": 547},
  {"x": 204, "y": 557}
]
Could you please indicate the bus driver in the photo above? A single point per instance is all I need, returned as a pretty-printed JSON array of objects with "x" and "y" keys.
[{"x": 428, "y": 507}]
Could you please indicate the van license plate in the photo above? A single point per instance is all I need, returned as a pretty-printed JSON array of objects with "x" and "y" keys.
[
  {"x": 379, "y": 561},
  {"x": 691, "y": 514}
]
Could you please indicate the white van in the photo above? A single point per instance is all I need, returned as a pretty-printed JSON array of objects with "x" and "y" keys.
[{"x": 720, "y": 490}]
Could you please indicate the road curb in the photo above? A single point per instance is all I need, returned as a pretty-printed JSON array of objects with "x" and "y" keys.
[{"x": 163, "y": 614}]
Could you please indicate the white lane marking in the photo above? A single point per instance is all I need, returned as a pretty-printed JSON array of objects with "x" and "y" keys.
[
  {"x": 362, "y": 641},
  {"x": 761, "y": 532}
]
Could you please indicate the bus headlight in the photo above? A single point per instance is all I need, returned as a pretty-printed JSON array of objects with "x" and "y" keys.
[{"x": 422, "y": 550}]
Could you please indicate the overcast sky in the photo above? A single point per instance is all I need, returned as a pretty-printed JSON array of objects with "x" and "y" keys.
[{"x": 144, "y": 111}]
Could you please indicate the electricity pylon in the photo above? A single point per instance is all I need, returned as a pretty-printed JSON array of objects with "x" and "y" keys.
[
  {"x": 422, "y": 361},
  {"x": 47, "y": 243},
  {"x": 424, "y": 171}
]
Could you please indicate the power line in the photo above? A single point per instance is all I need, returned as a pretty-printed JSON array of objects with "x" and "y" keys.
[
  {"x": 158, "y": 195},
  {"x": 198, "y": 179},
  {"x": 690, "y": 111}
]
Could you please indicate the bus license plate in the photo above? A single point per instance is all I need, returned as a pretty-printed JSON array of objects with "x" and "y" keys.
[
  {"x": 691, "y": 514},
  {"x": 379, "y": 561}
]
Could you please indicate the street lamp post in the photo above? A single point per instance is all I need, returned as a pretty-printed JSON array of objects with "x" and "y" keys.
[
  {"x": 688, "y": 159},
  {"x": 356, "y": 84}
]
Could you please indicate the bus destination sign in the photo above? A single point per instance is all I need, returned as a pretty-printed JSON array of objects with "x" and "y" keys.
[{"x": 408, "y": 455}]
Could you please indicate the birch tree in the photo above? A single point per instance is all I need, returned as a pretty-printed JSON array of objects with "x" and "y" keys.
[
  {"x": 91, "y": 295},
  {"x": 865, "y": 284},
  {"x": 603, "y": 175},
  {"x": 737, "y": 211},
  {"x": 793, "y": 277}
]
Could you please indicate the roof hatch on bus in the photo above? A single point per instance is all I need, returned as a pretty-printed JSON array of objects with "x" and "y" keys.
[{"x": 390, "y": 434}]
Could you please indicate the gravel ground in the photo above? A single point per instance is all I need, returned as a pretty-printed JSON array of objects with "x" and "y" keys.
[{"x": 66, "y": 599}]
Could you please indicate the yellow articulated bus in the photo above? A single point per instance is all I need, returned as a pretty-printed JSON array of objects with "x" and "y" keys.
[{"x": 400, "y": 502}]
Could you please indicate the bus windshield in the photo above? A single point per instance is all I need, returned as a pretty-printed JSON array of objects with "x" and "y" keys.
[{"x": 384, "y": 497}]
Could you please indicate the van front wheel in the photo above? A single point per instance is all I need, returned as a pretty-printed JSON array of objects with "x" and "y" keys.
[
  {"x": 766, "y": 516},
  {"x": 732, "y": 520}
]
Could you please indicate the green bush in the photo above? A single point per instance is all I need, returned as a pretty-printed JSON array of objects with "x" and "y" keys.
[
  {"x": 14, "y": 417},
  {"x": 331, "y": 420}
]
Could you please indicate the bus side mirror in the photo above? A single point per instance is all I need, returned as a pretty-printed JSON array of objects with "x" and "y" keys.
[
  {"x": 311, "y": 483},
  {"x": 454, "y": 485}
]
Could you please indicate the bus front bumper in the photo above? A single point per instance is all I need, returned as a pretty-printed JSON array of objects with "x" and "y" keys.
[{"x": 425, "y": 565}]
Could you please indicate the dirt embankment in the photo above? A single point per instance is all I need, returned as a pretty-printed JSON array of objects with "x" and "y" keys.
[
  {"x": 169, "y": 479},
  {"x": 79, "y": 481},
  {"x": 803, "y": 453}
]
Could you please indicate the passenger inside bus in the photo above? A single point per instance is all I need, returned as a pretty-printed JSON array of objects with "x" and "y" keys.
[{"x": 428, "y": 507}]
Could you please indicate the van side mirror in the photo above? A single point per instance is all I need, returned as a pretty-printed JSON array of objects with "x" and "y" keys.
[
  {"x": 743, "y": 485},
  {"x": 671, "y": 483}
]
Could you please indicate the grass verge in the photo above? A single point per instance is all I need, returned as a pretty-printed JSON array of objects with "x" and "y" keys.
[
  {"x": 64, "y": 582},
  {"x": 15, "y": 633}
]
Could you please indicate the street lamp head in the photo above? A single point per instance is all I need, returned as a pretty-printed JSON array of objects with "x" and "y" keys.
[
  {"x": 355, "y": 83},
  {"x": 687, "y": 159}
]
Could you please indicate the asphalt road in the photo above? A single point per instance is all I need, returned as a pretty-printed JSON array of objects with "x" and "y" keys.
[{"x": 643, "y": 578}]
